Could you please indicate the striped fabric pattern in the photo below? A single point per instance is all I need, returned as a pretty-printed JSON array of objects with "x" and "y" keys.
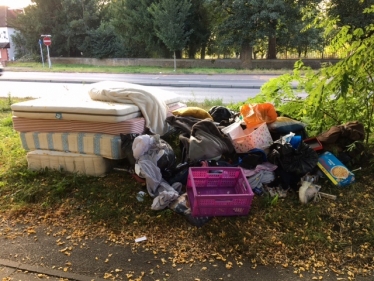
[
  {"x": 108, "y": 146},
  {"x": 133, "y": 126}
]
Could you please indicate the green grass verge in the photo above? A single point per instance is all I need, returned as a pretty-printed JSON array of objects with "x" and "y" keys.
[
  {"x": 33, "y": 66},
  {"x": 324, "y": 235}
]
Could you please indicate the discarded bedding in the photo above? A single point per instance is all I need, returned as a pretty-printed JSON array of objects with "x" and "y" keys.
[
  {"x": 85, "y": 164},
  {"x": 150, "y": 101},
  {"x": 115, "y": 102},
  {"x": 108, "y": 146},
  {"x": 133, "y": 126}
]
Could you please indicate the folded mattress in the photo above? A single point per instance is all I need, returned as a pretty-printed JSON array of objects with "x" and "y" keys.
[
  {"x": 132, "y": 126},
  {"x": 104, "y": 145},
  {"x": 85, "y": 164}
]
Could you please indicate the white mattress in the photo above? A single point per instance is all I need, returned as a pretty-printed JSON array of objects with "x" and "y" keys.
[
  {"x": 85, "y": 164},
  {"x": 80, "y": 107},
  {"x": 107, "y": 146}
]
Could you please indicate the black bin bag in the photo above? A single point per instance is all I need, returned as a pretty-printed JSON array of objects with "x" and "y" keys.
[{"x": 300, "y": 161}]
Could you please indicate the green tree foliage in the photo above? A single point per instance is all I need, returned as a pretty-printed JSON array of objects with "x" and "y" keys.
[
  {"x": 103, "y": 43},
  {"x": 170, "y": 23},
  {"x": 242, "y": 23},
  {"x": 81, "y": 18},
  {"x": 21, "y": 50},
  {"x": 134, "y": 24},
  {"x": 336, "y": 93},
  {"x": 68, "y": 21},
  {"x": 199, "y": 22},
  {"x": 350, "y": 12},
  {"x": 38, "y": 19},
  {"x": 300, "y": 38},
  {"x": 219, "y": 27}
]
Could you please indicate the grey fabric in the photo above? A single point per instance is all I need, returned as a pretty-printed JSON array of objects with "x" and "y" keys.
[
  {"x": 152, "y": 175},
  {"x": 201, "y": 138},
  {"x": 165, "y": 195},
  {"x": 264, "y": 166},
  {"x": 183, "y": 123},
  {"x": 262, "y": 177},
  {"x": 147, "y": 150}
]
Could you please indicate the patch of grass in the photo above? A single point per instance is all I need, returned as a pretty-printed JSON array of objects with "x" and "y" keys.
[
  {"x": 212, "y": 102},
  {"x": 5, "y": 104},
  {"x": 207, "y": 104},
  {"x": 56, "y": 67}
]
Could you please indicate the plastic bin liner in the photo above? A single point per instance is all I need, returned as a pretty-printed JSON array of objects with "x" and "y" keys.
[{"x": 300, "y": 161}]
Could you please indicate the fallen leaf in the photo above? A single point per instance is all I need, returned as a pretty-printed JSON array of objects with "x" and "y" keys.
[
  {"x": 229, "y": 265},
  {"x": 108, "y": 275}
]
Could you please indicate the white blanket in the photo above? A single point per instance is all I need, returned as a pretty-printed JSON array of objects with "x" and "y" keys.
[{"x": 148, "y": 99}]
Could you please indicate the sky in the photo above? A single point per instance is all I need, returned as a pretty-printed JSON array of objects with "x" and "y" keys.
[{"x": 15, "y": 3}]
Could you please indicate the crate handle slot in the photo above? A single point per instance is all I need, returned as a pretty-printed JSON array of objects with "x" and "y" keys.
[
  {"x": 215, "y": 171},
  {"x": 223, "y": 200}
]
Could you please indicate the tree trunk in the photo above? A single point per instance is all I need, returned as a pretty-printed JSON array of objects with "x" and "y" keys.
[
  {"x": 254, "y": 55},
  {"x": 202, "y": 52},
  {"x": 272, "y": 50},
  {"x": 191, "y": 52},
  {"x": 246, "y": 56}
]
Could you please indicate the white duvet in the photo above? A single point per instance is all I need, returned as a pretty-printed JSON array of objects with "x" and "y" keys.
[{"x": 148, "y": 99}]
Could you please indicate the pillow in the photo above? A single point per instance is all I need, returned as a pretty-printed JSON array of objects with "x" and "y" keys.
[
  {"x": 192, "y": 111},
  {"x": 285, "y": 125}
]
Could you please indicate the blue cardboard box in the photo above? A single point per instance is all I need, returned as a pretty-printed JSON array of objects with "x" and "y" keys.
[{"x": 335, "y": 170}]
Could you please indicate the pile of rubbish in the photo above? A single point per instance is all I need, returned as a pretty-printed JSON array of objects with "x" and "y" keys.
[{"x": 273, "y": 153}]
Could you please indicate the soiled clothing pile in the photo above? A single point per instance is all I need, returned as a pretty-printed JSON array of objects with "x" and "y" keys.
[
  {"x": 352, "y": 131},
  {"x": 147, "y": 151},
  {"x": 340, "y": 138},
  {"x": 262, "y": 174}
]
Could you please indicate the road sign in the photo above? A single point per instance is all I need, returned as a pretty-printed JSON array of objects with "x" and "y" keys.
[{"x": 47, "y": 41}]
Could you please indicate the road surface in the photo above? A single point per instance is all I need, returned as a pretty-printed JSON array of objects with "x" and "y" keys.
[
  {"x": 177, "y": 80},
  {"x": 227, "y": 88}
]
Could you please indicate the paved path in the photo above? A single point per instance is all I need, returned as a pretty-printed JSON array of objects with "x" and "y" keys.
[{"x": 52, "y": 253}]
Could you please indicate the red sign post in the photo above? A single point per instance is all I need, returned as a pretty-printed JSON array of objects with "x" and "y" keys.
[{"x": 47, "y": 41}]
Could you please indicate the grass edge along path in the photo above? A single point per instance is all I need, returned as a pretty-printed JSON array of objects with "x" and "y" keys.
[{"x": 82, "y": 68}]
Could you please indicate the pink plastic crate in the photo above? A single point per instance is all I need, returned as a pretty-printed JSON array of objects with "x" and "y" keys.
[{"x": 218, "y": 191}]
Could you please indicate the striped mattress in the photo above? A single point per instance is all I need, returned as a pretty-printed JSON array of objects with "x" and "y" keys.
[{"x": 107, "y": 146}]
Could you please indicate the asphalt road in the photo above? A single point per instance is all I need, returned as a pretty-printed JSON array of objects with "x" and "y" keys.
[
  {"x": 179, "y": 80},
  {"x": 228, "y": 88},
  {"x": 42, "y": 89}
]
